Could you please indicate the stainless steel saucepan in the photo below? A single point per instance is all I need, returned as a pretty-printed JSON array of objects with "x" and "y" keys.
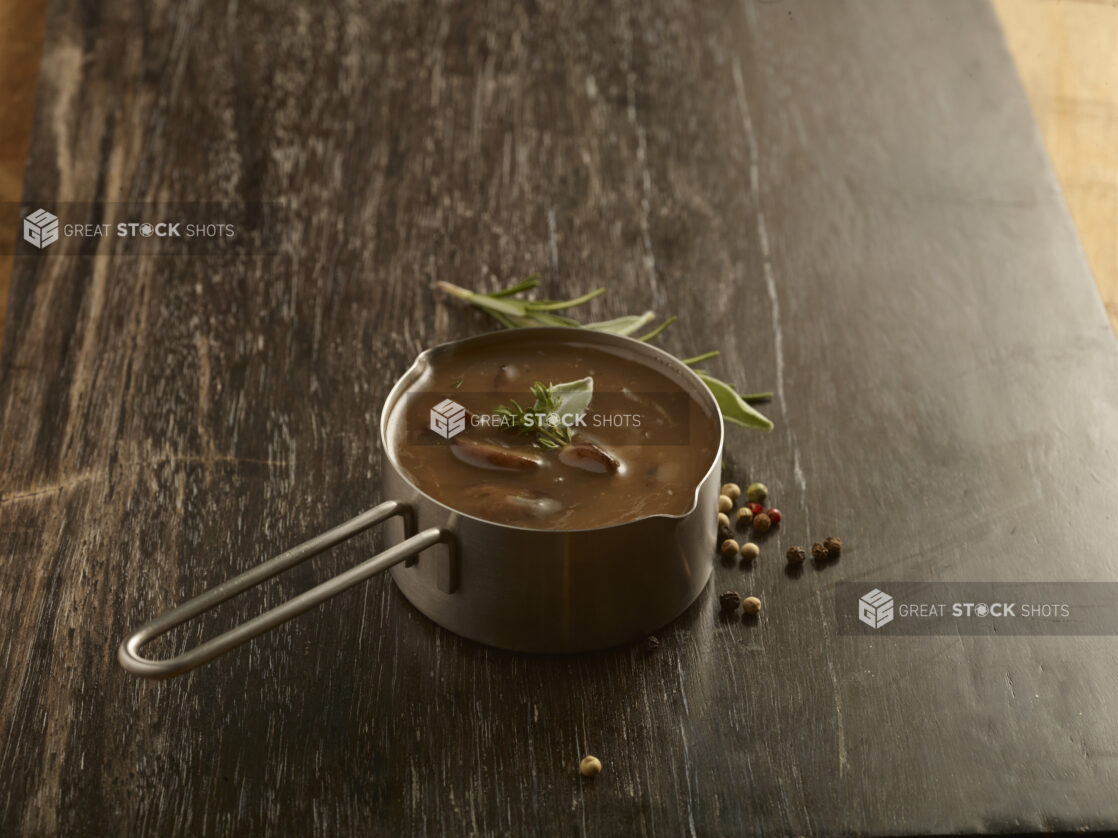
[{"x": 521, "y": 589}]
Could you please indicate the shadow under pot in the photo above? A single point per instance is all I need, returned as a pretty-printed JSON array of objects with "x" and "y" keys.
[{"x": 554, "y": 491}]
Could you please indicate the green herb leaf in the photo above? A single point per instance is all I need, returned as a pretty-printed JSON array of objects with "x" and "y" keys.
[
  {"x": 524, "y": 285},
  {"x": 650, "y": 335},
  {"x": 557, "y": 305},
  {"x": 572, "y": 397},
  {"x": 622, "y": 325},
  {"x": 734, "y": 408},
  {"x": 698, "y": 359}
]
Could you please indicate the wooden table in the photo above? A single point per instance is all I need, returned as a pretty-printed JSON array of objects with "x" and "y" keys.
[
  {"x": 1066, "y": 52},
  {"x": 842, "y": 196}
]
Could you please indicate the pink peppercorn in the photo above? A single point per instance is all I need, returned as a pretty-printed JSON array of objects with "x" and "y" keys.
[
  {"x": 774, "y": 515},
  {"x": 755, "y": 508}
]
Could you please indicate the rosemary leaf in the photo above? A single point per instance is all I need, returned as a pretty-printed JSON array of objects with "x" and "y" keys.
[
  {"x": 650, "y": 335},
  {"x": 698, "y": 359},
  {"x": 524, "y": 285}
]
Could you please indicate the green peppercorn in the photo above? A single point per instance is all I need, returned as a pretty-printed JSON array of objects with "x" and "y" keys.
[{"x": 757, "y": 492}]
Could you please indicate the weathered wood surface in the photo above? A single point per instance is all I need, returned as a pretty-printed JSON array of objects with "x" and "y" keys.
[{"x": 849, "y": 198}]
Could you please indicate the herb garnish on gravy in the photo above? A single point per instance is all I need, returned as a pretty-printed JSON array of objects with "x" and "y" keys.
[{"x": 553, "y": 402}]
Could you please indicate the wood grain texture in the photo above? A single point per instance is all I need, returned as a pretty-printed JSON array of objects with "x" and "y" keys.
[
  {"x": 21, "y": 40},
  {"x": 1067, "y": 55},
  {"x": 842, "y": 196}
]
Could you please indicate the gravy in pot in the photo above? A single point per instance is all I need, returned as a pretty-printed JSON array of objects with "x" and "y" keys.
[{"x": 640, "y": 448}]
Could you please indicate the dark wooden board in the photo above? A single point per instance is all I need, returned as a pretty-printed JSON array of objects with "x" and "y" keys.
[{"x": 848, "y": 198}]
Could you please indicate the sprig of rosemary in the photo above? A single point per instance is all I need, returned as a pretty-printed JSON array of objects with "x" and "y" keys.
[
  {"x": 570, "y": 399},
  {"x": 512, "y": 311}
]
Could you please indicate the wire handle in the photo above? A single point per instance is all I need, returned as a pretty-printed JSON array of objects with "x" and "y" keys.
[{"x": 129, "y": 652}]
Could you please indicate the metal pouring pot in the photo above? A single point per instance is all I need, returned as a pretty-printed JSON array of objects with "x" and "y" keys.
[{"x": 527, "y": 590}]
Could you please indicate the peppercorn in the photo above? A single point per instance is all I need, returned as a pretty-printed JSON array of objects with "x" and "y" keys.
[
  {"x": 745, "y": 516},
  {"x": 751, "y": 605},
  {"x": 818, "y": 552},
  {"x": 761, "y": 523},
  {"x": 833, "y": 546},
  {"x": 757, "y": 492},
  {"x": 755, "y": 508},
  {"x": 750, "y": 551},
  {"x": 796, "y": 555},
  {"x": 724, "y": 504},
  {"x": 731, "y": 490},
  {"x": 774, "y": 515},
  {"x": 724, "y": 533},
  {"x": 590, "y": 766},
  {"x": 729, "y": 600},
  {"x": 723, "y": 519},
  {"x": 729, "y": 547},
  {"x": 651, "y": 643}
]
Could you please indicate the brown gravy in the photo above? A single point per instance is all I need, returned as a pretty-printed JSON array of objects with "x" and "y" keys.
[{"x": 641, "y": 448}]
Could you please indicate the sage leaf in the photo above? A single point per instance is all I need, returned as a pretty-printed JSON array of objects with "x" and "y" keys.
[
  {"x": 573, "y": 397},
  {"x": 734, "y": 408},
  {"x": 622, "y": 325}
]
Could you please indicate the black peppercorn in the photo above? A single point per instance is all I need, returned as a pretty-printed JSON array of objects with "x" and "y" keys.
[
  {"x": 651, "y": 644},
  {"x": 818, "y": 552},
  {"x": 724, "y": 534},
  {"x": 833, "y": 546},
  {"x": 796, "y": 555},
  {"x": 729, "y": 600}
]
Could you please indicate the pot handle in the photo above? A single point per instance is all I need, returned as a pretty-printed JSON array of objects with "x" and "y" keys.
[{"x": 129, "y": 652}]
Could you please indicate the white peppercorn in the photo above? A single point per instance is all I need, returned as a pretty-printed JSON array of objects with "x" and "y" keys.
[{"x": 590, "y": 766}]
